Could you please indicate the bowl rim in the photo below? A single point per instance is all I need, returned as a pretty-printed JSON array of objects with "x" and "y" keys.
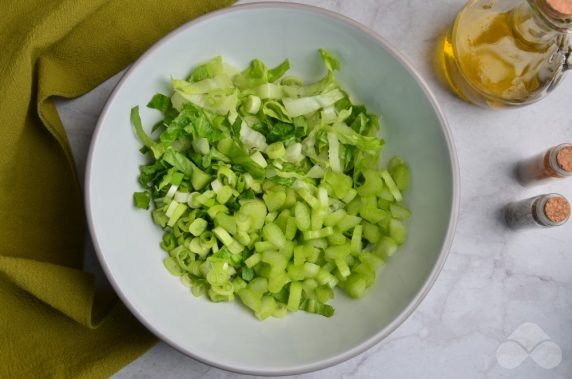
[{"x": 445, "y": 248}]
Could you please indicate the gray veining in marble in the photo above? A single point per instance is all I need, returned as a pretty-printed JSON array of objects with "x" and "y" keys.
[{"x": 494, "y": 280}]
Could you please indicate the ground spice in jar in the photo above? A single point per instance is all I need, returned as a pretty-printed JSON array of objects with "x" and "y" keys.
[
  {"x": 564, "y": 158},
  {"x": 554, "y": 163},
  {"x": 539, "y": 211},
  {"x": 557, "y": 209}
]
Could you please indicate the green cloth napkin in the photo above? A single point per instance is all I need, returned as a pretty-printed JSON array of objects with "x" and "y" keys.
[{"x": 52, "y": 322}]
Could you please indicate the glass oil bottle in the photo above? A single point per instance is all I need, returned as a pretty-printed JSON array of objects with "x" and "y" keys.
[{"x": 508, "y": 52}]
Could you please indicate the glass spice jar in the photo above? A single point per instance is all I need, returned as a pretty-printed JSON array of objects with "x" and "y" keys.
[
  {"x": 556, "y": 162},
  {"x": 540, "y": 211}
]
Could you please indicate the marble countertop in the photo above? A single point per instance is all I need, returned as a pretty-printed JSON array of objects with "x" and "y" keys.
[{"x": 497, "y": 286}]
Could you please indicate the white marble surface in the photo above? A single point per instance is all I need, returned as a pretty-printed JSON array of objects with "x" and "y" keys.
[{"x": 494, "y": 280}]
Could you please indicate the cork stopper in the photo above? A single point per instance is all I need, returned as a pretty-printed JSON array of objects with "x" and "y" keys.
[
  {"x": 562, "y": 8},
  {"x": 557, "y": 209},
  {"x": 564, "y": 159}
]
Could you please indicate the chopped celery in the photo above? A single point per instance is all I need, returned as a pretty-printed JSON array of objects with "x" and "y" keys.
[{"x": 268, "y": 188}]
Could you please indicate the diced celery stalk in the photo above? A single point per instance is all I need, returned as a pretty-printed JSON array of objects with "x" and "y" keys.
[
  {"x": 308, "y": 198},
  {"x": 270, "y": 217},
  {"x": 397, "y": 231},
  {"x": 275, "y": 150},
  {"x": 291, "y": 229},
  {"x": 291, "y": 198},
  {"x": 216, "y": 209},
  {"x": 371, "y": 232},
  {"x": 198, "y": 227},
  {"x": 352, "y": 193},
  {"x": 371, "y": 260},
  {"x": 314, "y": 256},
  {"x": 311, "y": 270},
  {"x": 227, "y": 222},
  {"x": 355, "y": 286},
  {"x": 337, "y": 239},
  {"x": 262, "y": 246},
  {"x": 243, "y": 238},
  {"x": 296, "y": 271},
  {"x": 277, "y": 282},
  {"x": 256, "y": 211},
  {"x": 253, "y": 260},
  {"x": 274, "y": 200},
  {"x": 372, "y": 184},
  {"x": 302, "y": 215},
  {"x": 399, "y": 212},
  {"x": 385, "y": 194},
  {"x": 318, "y": 216},
  {"x": 343, "y": 267},
  {"x": 299, "y": 254},
  {"x": 249, "y": 298},
  {"x": 325, "y": 278},
  {"x": 323, "y": 197},
  {"x": 288, "y": 250},
  {"x": 267, "y": 307},
  {"x": 386, "y": 247},
  {"x": 384, "y": 204},
  {"x": 354, "y": 206},
  {"x": 367, "y": 273},
  {"x": 340, "y": 183},
  {"x": 273, "y": 233},
  {"x": 238, "y": 283},
  {"x": 309, "y": 285},
  {"x": 335, "y": 217},
  {"x": 282, "y": 219},
  {"x": 391, "y": 185},
  {"x": 401, "y": 176},
  {"x": 347, "y": 222},
  {"x": 294, "y": 296},
  {"x": 324, "y": 294},
  {"x": 276, "y": 260},
  {"x": 258, "y": 285},
  {"x": 316, "y": 234},
  {"x": 356, "y": 243},
  {"x": 199, "y": 179},
  {"x": 280, "y": 311},
  {"x": 224, "y": 194},
  {"x": 320, "y": 243},
  {"x": 369, "y": 210},
  {"x": 338, "y": 252}
]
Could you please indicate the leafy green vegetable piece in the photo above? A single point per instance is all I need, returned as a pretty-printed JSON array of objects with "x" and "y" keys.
[
  {"x": 331, "y": 62},
  {"x": 278, "y": 71},
  {"x": 142, "y": 199},
  {"x": 207, "y": 70}
]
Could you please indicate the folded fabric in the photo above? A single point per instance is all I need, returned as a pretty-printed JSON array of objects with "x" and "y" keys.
[{"x": 52, "y": 322}]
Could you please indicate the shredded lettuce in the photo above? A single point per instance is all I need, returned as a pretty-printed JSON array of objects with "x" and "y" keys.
[{"x": 268, "y": 188}]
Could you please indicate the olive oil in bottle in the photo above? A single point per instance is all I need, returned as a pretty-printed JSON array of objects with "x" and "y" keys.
[{"x": 507, "y": 52}]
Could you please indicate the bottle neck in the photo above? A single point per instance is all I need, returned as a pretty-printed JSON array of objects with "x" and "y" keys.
[
  {"x": 533, "y": 24},
  {"x": 549, "y": 18}
]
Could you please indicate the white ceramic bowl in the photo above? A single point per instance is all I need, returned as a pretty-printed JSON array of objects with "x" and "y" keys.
[{"x": 226, "y": 335}]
